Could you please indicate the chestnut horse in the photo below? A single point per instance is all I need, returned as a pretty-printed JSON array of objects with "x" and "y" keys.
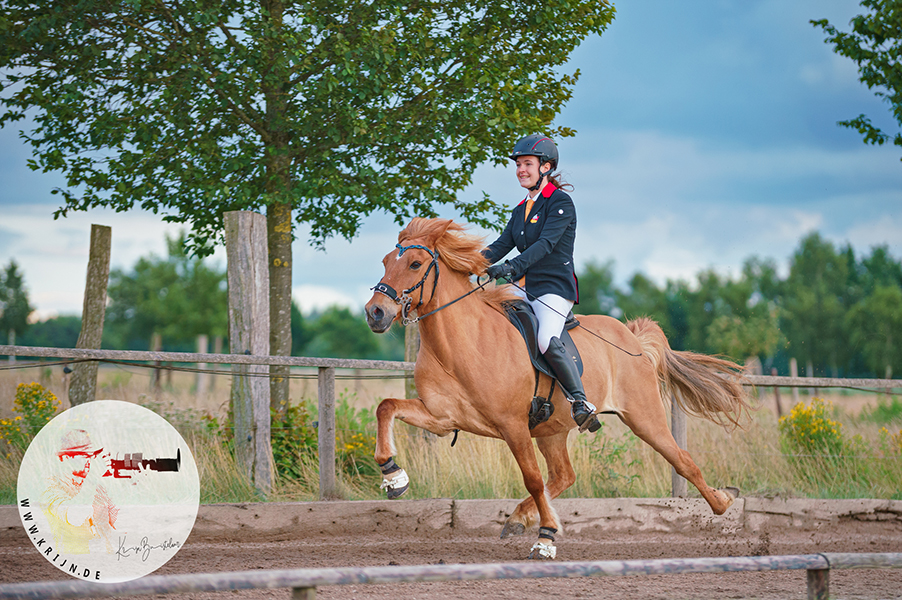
[{"x": 473, "y": 373}]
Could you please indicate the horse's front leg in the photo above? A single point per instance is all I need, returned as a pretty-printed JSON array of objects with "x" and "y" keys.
[
  {"x": 413, "y": 412},
  {"x": 560, "y": 477},
  {"x": 520, "y": 444}
]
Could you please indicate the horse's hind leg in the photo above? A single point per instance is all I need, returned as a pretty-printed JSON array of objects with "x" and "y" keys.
[
  {"x": 649, "y": 423},
  {"x": 412, "y": 412},
  {"x": 560, "y": 477}
]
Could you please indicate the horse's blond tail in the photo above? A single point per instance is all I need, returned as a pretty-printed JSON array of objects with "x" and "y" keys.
[{"x": 704, "y": 386}]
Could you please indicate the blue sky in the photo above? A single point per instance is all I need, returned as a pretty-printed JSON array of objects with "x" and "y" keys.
[{"x": 706, "y": 134}]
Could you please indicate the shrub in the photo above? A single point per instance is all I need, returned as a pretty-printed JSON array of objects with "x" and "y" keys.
[
  {"x": 36, "y": 406},
  {"x": 807, "y": 430}
]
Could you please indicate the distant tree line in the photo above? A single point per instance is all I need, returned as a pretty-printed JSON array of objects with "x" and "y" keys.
[
  {"x": 837, "y": 313},
  {"x": 180, "y": 297}
]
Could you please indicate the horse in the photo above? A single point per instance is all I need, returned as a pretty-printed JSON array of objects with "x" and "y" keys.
[{"x": 473, "y": 373}]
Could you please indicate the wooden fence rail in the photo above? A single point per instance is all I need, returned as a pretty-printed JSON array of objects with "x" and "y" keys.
[
  {"x": 326, "y": 401},
  {"x": 303, "y": 582}
]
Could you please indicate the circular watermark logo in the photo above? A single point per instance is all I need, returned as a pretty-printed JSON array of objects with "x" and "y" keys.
[{"x": 108, "y": 491}]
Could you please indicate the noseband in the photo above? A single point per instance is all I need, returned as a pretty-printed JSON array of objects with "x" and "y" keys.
[{"x": 405, "y": 300}]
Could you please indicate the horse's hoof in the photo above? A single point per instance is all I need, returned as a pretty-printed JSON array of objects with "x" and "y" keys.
[
  {"x": 396, "y": 486},
  {"x": 510, "y": 529},
  {"x": 542, "y": 551},
  {"x": 731, "y": 491}
]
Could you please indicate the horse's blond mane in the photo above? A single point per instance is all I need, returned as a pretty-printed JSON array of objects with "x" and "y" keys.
[{"x": 460, "y": 251}]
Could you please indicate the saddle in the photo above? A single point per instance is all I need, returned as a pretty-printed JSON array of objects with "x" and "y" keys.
[{"x": 521, "y": 315}]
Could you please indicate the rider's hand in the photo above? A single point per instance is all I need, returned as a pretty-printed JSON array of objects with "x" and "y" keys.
[{"x": 504, "y": 270}]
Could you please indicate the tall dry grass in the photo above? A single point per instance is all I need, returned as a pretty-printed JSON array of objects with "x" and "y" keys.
[{"x": 610, "y": 463}]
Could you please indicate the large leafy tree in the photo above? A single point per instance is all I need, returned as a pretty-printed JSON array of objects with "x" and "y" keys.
[
  {"x": 319, "y": 112},
  {"x": 875, "y": 44},
  {"x": 875, "y": 326},
  {"x": 816, "y": 296},
  {"x": 178, "y": 297}
]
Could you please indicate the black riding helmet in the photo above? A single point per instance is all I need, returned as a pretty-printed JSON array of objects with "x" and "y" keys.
[{"x": 541, "y": 147}]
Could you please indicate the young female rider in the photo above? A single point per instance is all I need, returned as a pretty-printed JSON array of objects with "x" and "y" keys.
[{"x": 543, "y": 228}]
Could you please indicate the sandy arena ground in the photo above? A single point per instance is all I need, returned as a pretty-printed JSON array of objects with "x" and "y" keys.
[{"x": 209, "y": 550}]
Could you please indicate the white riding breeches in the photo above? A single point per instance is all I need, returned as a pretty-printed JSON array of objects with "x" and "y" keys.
[{"x": 551, "y": 311}]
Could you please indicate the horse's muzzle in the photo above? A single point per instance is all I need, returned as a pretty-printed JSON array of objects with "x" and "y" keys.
[{"x": 378, "y": 318}]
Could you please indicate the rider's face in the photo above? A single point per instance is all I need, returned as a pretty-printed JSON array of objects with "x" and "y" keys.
[{"x": 528, "y": 170}]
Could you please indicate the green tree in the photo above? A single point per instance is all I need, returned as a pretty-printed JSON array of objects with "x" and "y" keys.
[
  {"x": 338, "y": 333},
  {"x": 14, "y": 304},
  {"x": 644, "y": 299},
  {"x": 319, "y": 112},
  {"x": 875, "y": 44},
  {"x": 815, "y": 304},
  {"x": 299, "y": 330},
  {"x": 597, "y": 295},
  {"x": 876, "y": 329},
  {"x": 179, "y": 297},
  {"x": 59, "y": 332}
]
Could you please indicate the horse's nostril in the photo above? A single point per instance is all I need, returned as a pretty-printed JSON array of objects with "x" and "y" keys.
[{"x": 377, "y": 313}]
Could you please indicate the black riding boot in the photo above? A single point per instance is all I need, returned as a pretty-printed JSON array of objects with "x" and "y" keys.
[{"x": 567, "y": 373}]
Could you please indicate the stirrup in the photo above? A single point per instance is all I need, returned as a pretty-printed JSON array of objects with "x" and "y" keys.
[{"x": 589, "y": 421}]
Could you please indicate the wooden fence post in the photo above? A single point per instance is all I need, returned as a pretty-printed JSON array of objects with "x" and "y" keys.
[
  {"x": 83, "y": 385},
  {"x": 325, "y": 433},
  {"x": 248, "y": 276},
  {"x": 773, "y": 373},
  {"x": 411, "y": 349},
  {"x": 794, "y": 372},
  {"x": 202, "y": 385},
  {"x": 156, "y": 376},
  {"x": 679, "y": 487}
]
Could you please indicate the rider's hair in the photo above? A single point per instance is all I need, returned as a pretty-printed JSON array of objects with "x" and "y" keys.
[{"x": 558, "y": 182}]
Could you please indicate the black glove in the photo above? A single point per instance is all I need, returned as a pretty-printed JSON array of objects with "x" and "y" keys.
[{"x": 504, "y": 270}]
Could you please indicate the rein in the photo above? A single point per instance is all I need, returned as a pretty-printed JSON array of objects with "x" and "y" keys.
[
  {"x": 405, "y": 300},
  {"x": 587, "y": 330}
]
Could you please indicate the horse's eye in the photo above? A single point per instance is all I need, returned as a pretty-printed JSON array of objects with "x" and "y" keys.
[{"x": 416, "y": 265}]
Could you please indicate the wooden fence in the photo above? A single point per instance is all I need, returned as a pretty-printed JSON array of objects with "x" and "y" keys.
[
  {"x": 303, "y": 582},
  {"x": 326, "y": 389}
]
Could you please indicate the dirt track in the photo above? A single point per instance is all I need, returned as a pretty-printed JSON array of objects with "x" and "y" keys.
[{"x": 214, "y": 551}]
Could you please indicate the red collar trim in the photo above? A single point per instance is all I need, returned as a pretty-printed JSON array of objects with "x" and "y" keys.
[{"x": 548, "y": 189}]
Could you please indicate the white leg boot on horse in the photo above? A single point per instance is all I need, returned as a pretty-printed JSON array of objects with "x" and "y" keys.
[
  {"x": 395, "y": 480},
  {"x": 560, "y": 477}
]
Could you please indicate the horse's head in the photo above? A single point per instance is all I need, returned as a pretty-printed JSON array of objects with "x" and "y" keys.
[{"x": 411, "y": 274}]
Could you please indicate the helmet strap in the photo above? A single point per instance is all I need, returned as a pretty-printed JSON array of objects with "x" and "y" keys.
[{"x": 541, "y": 178}]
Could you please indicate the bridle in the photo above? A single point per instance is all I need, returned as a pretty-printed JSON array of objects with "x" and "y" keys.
[{"x": 405, "y": 300}]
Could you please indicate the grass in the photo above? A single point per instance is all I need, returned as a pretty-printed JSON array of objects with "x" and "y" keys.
[{"x": 609, "y": 463}]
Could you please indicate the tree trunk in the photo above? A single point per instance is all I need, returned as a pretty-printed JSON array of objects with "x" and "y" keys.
[
  {"x": 12, "y": 342},
  {"x": 278, "y": 200},
  {"x": 83, "y": 386}
]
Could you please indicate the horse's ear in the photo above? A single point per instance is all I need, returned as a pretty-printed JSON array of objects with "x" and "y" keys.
[{"x": 441, "y": 228}]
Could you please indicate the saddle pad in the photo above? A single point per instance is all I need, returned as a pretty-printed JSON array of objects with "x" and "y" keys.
[{"x": 524, "y": 319}]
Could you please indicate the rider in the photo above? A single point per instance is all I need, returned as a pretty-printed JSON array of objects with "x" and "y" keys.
[{"x": 543, "y": 228}]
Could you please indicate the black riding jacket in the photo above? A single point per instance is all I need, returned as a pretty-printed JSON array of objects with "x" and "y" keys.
[{"x": 545, "y": 241}]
